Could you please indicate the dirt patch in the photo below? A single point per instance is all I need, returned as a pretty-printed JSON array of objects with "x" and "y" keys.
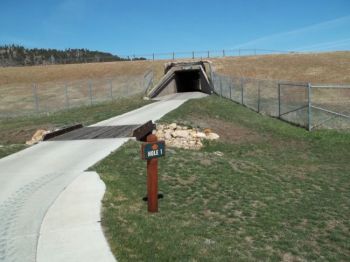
[
  {"x": 228, "y": 132},
  {"x": 21, "y": 135}
]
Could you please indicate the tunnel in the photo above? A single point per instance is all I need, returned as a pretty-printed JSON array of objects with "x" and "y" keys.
[
  {"x": 182, "y": 77},
  {"x": 187, "y": 81}
]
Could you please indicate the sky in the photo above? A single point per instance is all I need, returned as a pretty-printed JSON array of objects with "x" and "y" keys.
[{"x": 143, "y": 27}]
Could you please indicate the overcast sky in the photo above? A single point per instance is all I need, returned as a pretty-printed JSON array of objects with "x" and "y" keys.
[{"x": 146, "y": 26}]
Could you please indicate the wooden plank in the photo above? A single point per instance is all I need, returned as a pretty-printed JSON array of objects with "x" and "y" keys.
[
  {"x": 143, "y": 130},
  {"x": 101, "y": 132},
  {"x": 62, "y": 131}
]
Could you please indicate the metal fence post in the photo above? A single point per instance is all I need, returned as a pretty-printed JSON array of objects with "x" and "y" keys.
[
  {"x": 242, "y": 92},
  {"x": 173, "y": 55},
  {"x": 111, "y": 88},
  {"x": 192, "y": 54},
  {"x": 230, "y": 89},
  {"x": 36, "y": 99},
  {"x": 223, "y": 53},
  {"x": 258, "y": 96},
  {"x": 309, "y": 110},
  {"x": 90, "y": 92},
  {"x": 66, "y": 95},
  {"x": 208, "y": 54},
  {"x": 153, "y": 56},
  {"x": 279, "y": 100}
]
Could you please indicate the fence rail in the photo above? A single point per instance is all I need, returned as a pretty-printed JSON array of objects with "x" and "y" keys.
[
  {"x": 303, "y": 104},
  {"x": 204, "y": 54}
]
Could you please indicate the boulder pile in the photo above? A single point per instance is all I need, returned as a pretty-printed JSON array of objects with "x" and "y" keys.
[{"x": 183, "y": 137}]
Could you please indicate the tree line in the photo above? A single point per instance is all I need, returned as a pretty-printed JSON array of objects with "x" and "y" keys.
[{"x": 16, "y": 55}]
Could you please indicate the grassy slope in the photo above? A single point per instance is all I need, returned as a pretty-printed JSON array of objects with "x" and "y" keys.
[
  {"x": 73, "y": 72},
  {"x": 319, "y": 67},
  {"x": 331, "y": 67},
  {"x": 15, "y": 131},
  {"x": 277, "y": 193}
]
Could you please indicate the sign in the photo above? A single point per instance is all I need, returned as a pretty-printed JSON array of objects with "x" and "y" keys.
[{"x": 153, "y": 150}]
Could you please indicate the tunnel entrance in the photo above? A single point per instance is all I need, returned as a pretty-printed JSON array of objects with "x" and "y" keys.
[
  {"x": 180, "y": 77},
  {"x": 187, "y": 81}
]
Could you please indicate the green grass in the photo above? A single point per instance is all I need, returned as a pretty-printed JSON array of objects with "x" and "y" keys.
[
  {"x": 15, "y": 131},
  {"x": 277, "y": 193}
]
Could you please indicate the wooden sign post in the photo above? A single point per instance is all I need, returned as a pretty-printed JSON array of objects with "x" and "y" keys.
[{"x": 151, "y": 151}]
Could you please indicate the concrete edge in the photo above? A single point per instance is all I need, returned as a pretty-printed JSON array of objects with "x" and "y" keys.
[{"x": 71, "y": 229}]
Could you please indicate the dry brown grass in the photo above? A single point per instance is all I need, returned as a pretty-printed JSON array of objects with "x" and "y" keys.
[
  {"x": 16, "y": 94},
  {"x": 331, "y": 67},
  {"x": 319, "y": 68},
  {"x": 75, "y": 72}
]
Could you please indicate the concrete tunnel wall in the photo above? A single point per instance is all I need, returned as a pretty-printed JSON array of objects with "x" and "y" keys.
[{"x": 183, "y": 80}]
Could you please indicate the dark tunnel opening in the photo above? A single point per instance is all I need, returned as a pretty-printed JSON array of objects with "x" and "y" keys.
[{"x": 188, "y": 81}]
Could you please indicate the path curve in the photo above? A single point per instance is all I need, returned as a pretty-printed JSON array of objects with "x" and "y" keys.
[{"x": 32, "y": 179}]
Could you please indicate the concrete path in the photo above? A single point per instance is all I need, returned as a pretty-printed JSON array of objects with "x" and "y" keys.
[
  {"x": 31, "y": 181},
  {"x": 71, "y": 230}
]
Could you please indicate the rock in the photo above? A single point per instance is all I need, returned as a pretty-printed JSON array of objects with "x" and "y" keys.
[
  {"x": 207, "y": 131},
  {"x": 200, "y": 135},
  {"x": 160, "y": 134},
  {"x": 182, "y": 133},
  {"x": 209, "y": 242},
  {"x": 160, "y": 127},
  {"x": 212, "y": 136},
  {"x": 172, "y": 126},
  {"x": 218, "y": 153},
  {"x": 183, "y": 137},
  {"x": 167, "y": 135},
  {"x": 38, "y": 136},
  {"x": 192, "y": 142}
]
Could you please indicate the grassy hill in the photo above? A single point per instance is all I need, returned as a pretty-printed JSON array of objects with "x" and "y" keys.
[
  {"x": 331, "y": 67},
  {"x": 319, "y": 67},
  {"x": 16, "y": 83}
]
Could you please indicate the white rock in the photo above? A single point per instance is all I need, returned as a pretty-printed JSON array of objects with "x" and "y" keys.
[
  {"x": 200, "y": 135},
  {"x": 160, "y": 135},
  {"x": 38, "y": 136},
  {"x": 212, "y": 136},
  {"x": 160, "y": 127},
  {"x": 172, "y": 126},
  {"x": 167, "y": 135},
  {"x": 182, "y": 133},
  {"x": 218, "y": 153}
]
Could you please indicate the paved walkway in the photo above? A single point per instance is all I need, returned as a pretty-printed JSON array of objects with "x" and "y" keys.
[{"x": 33, "y": 179}]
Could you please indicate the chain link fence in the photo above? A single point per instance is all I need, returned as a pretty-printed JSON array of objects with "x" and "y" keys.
[
  {"x": 303, "y": 104},
  {"x": 51, "y": 97}
]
